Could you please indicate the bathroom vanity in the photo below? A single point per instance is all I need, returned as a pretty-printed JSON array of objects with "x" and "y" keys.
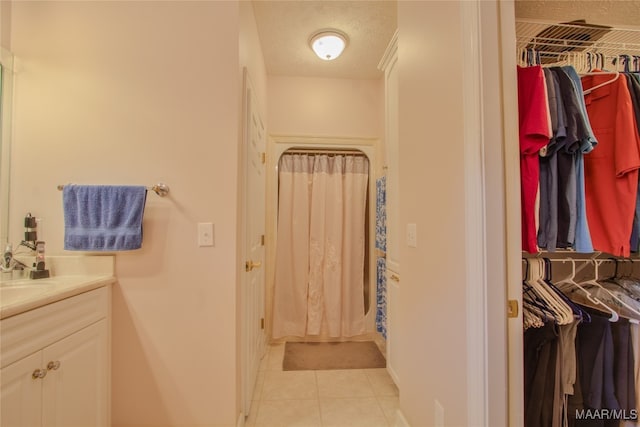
[{"x": 55, "y": 346}]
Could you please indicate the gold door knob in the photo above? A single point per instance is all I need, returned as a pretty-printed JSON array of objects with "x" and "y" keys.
[
  {"x": 52, "y": 366},
  {"x": 250, "y": 265}
]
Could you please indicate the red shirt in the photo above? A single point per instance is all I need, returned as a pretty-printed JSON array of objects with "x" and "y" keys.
[
  {"x": 535, "y": 132},
  {"x": 611, "y": 170}
]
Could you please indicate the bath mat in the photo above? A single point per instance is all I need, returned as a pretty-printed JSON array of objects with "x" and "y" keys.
[{"x": 299, "y": 356}]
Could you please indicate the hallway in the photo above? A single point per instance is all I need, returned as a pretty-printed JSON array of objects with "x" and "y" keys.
[{"x": 337, "y": 398}]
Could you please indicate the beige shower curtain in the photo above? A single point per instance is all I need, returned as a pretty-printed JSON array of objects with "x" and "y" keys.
[{"x": 319, "y": 283}]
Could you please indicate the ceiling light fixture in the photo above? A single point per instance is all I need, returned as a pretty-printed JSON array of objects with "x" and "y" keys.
[{"x": 328, "y": 44}]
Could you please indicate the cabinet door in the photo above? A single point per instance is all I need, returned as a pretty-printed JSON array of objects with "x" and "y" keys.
[
  {"x": 75, "y": 393},
  {"x": 21, "y": 402}
]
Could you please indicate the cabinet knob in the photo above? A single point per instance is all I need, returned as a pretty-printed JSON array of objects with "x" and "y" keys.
[
  {"x": 39, "y": 373},
  {"x": 52, "y": 366}
]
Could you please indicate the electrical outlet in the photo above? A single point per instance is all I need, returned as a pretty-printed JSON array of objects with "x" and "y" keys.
[
  {"x": 438, "y": 414},
  {"x": 205, "y": 234},
  {"x": 412, "y": 235}
]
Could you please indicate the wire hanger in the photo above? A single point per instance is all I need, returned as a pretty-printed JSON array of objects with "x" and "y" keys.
[
  {"x": 536, "y": 311},
  {"x": 607, "y": 292},
  {"x": 578, "y": 312},
  {"x": 562, "y": 313},
  {"x": 616, "y": 75},
  {"x": 570, "y": 281}
]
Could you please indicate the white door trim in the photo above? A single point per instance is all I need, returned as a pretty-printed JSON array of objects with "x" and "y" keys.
[
  {"x": 475, "y": 218},
  {"x": 512, "y": 197}
]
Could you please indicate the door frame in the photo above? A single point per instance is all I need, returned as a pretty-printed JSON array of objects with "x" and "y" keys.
[
  {"x": 515, "y": 333},
  {"x": 495, "y": 388}
]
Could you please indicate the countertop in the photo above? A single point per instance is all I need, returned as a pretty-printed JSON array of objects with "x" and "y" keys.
[
  {"x": 70, "y": 275},
  {"x": 20, "y": 295}
]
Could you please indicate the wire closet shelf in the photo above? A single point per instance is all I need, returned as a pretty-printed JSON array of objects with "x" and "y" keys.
[{"x": 562, "y": 43}]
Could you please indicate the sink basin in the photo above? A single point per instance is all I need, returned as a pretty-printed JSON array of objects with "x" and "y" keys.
[{"x": 26, "y": 283}]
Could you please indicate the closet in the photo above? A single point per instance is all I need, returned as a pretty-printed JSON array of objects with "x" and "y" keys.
[{"x": 580, "y": 281}]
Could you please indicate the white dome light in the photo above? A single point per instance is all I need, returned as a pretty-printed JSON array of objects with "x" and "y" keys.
[{"x": 328, "y": 44}]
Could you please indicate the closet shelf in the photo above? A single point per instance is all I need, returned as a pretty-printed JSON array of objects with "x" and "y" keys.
[{"x": 551, "y": 40}]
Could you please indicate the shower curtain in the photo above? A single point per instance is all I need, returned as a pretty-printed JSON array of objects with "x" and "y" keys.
[{"x": 320, "y": 251}]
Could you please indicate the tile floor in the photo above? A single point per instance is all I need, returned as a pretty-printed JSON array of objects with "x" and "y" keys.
[{"x": 338, "y": 398}]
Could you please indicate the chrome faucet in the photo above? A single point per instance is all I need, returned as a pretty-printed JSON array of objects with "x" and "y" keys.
[
  {"x": 10, "y": 263},
  {"x": 7, "y": 258}
]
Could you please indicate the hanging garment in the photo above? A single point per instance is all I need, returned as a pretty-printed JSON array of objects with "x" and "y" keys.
[
  {"x": 588, "y": 142},
  {"x": 611, "y": 171},
  {"x": 595, "y": 369},
  {"x": 381, "y": 214},
  {"x": 548, "y": 216},
  {"x": 535, "y": 132},
  {"x": 633, "y": 85},
  {"x": 624, "y": 365},
  {"x": 321, "y": 245},
  {"x": 567, "y": 173},
  {"x": 381, "y": 297},
  {"x": 540, "y": 360}
]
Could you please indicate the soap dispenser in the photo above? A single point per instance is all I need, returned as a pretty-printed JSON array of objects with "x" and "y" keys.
[{"x": 39, "y": 271}]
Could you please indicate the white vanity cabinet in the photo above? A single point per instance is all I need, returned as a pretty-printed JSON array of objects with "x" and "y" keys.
[{"x": 55, "y": 363}]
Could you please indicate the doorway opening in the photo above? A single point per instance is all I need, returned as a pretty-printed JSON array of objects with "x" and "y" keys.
[{"x": 360, "y": 152}]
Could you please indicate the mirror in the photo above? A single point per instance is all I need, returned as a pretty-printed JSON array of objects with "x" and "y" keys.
[{"x": 6, "y": 91}]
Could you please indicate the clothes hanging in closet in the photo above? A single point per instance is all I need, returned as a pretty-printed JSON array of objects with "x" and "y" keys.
[
  {"x": 588, "y": 194},
  {"x": 633, "y": 84},
  {"x": 535, "y": 131},
  {"x": 586, "y": 364},
  {"x": 611, "y": 172}
]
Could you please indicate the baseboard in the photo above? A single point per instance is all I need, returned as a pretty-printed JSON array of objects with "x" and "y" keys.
[{"x": 401, "y": 421}]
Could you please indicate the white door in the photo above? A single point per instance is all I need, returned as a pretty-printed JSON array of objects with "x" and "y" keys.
[{"x": 254, "y": 222}]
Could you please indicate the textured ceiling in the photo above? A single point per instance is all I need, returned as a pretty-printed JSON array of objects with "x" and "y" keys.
[
  {"x": 615, "y": 13},
  {"x": 284, "y": 28}
]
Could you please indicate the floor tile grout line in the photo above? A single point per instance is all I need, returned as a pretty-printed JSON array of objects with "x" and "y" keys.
[{"x": 318, "y": 400}]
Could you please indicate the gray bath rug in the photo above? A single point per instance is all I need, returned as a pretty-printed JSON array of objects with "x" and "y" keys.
[{"x": 300, "y": 356}]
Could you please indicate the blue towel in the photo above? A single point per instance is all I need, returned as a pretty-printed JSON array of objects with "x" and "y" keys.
[{"x": 103, "y": 217}]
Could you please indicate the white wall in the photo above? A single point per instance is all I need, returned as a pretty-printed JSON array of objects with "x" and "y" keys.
[
  {"x": 5, "y": 24},
  {"x": 136, "y": 93},
  {"x": 326, "y": 107},
  {"x": 431, "y": 326}
]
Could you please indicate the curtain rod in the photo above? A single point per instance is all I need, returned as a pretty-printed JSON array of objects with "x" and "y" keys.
[{"x": 325, "y": 151}]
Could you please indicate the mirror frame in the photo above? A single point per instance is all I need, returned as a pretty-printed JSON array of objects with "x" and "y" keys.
[{"x": 6, "y": 104}]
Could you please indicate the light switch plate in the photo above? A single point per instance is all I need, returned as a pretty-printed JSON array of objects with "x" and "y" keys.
[{"x": 205, "y": 234}]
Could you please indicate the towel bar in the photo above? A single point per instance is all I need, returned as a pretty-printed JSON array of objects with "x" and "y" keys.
[{"x": 160, "y": 189}]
